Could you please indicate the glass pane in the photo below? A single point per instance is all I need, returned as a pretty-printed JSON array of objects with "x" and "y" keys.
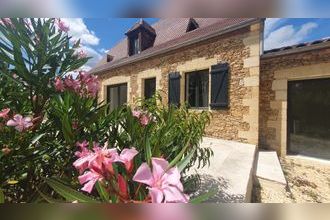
[
  {"x": 309, "y": 117},
  {"x": 198, "y": 88},
  {"x": 149, "y": 88},
  {"x": 113, "y": 96},
  {"x": 117, "y": 95},
  {"x": 123, "y": 94}
]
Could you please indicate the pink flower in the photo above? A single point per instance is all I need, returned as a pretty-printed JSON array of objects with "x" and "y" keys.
[
  {"x": 100, "y": 159},
  {"x": 59, "y": 86},
  {"x": 89, "y": 178},
  {"x": 6, "y": 21},
  {"x": 62, "y": 26},
  {"x": 144, "y": 120},
  {"x": 83, "y": 149},
  {"x": 84, "y": 76},
  {"x": 99, "y": 162},
  {"x": 82, "y": 54},
  {"x": 122, "y": 185},
  {"x": 126, "y": 157},
  {"x": 72, "y": 84},
  {"x": 20, "y": 123},
  {"x": 92, "y": 85},
  {"x": 164, "y": 185},
  {"x": 136, "y": 113},
  {"x": 4, "y": 113}
]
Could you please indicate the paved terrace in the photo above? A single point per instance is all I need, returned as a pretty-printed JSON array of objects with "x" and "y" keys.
[{"x": 230, "y": 171}]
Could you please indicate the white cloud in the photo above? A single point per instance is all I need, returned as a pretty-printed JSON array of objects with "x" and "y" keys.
[
  {"x": 102, "y": 50},
  {"x": 79, "y": 30},
  {"x": 270, "y": 24},
  {"x": 288, "y": 35}
]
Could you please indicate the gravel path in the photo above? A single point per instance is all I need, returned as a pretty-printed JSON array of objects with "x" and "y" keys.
[{"x": 308, "y": 181}]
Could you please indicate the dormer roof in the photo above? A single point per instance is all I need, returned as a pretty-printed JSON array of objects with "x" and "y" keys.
[{"x": 141, "y": 24}]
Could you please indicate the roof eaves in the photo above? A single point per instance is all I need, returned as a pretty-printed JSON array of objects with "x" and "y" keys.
[
  {"x": 296, "y": 49},
  {"x": 228, "y": 29}
]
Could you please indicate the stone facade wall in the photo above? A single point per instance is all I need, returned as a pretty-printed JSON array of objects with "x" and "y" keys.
[
  {"x": 274, "y": 77},
  {"x": 241, "y": 49}
]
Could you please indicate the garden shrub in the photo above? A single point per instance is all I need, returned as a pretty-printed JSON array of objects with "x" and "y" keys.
[{"x": 56, "y": 137}]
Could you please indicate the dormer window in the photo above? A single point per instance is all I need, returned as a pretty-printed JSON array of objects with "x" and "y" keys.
[
  {"x": 135, "y": 46},
  {"x": 192, "y": 25},
  {"x": 109, "y": 58},
  {"x": 140, "y": 37}
]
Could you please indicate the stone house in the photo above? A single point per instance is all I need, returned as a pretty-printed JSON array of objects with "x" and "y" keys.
[{"x": 218, "y": 65}]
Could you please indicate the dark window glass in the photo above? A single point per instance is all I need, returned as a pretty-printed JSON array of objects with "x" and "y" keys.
[
  {"x": 149, "y": 88},
  {"x": 117, "y": 95},
  {"x": 197, "y": 89},
  {"x": 135, "y": 45},
  {"x": 309, "y": 117}
]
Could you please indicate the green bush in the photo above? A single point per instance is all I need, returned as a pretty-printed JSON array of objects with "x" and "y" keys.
[{"x": 35, "y": 54}]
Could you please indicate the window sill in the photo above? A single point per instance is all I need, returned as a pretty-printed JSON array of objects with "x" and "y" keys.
[{"x": 199, "y": 109}]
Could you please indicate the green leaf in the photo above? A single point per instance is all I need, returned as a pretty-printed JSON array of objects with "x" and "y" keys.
[
  {"x": 2, "y": 197},
  {"x": 48, "y": 198},
  {"x": 204, "y": 197},
  {"x": 69, "y": 194},
  {"x": 102, "y": 192},
  {"x": 36, "y": 138},
  {"x": 179, "y": 156},
  {"x": 148, "y": 150},
  {"x": 183, "y": 163}
]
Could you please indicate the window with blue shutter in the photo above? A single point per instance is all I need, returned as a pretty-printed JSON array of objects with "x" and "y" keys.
[
  {"x": 174, "y": 89},
  {"x": 219, "y": 85}
]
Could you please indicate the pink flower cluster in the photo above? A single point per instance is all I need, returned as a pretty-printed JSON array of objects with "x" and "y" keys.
[
  {"x": 99, "y": 162},
  {"x": 85, "y": 85},
  {"x": 18, "y": 121},
  {"x": 6, "y": 21},
  {"x": 62, "y": 26},
  {"x": 162, "y": 182},
  {"x": 81, "y": 54},
  {"x": 144, "y": 117}
]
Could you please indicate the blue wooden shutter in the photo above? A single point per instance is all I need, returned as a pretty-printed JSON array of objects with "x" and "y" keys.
[
  {"x": 219, "y": 85},
  {"x": 174, "y": 88}
]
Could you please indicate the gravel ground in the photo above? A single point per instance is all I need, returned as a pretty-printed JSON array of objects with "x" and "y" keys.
[{"x": 308, "y": 181}]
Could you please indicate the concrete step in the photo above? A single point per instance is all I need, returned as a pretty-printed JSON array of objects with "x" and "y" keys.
[
  {"x": 230, "y": 171},
  {"x": 269, "y": 167}
]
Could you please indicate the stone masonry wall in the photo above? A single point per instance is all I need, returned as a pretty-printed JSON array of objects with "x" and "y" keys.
[
  {"x": 275, "y": 73},
  {"x": 240, "y": 49}
]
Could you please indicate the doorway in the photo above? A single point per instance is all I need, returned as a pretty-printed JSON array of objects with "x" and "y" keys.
[{"x": 309, "y": 118}]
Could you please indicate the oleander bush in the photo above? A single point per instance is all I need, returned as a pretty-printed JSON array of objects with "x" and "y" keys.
[{"x": 58, "y": 143}]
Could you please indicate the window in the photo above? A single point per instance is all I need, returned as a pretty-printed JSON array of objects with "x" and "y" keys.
[
  {"x": 117, "y": 95},
  {"x": 192, "y": 25},
  {"x": 134, "y": 45},
  {"x": 197, "y": 88},
  {"x": 149, "y": 88}
]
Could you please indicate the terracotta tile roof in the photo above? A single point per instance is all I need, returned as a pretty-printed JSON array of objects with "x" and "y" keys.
[{"x": 170, "y": 32}]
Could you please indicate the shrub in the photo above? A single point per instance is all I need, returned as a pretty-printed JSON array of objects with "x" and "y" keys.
[{"x": 46, "y": 113}]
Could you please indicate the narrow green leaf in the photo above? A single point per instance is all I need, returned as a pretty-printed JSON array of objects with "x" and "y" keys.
[
  {"x": 179, "y": 156},
  {"x": 68, "y": 193},
  {"x": 102, "y": 192},
  {"x": 48, "y": 198},
  {"x": 183, "y": 163},
  {"x": 37, "y": 138}
]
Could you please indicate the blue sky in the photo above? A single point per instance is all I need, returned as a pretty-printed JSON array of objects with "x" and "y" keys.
[{"x": 100, "y": 34}]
